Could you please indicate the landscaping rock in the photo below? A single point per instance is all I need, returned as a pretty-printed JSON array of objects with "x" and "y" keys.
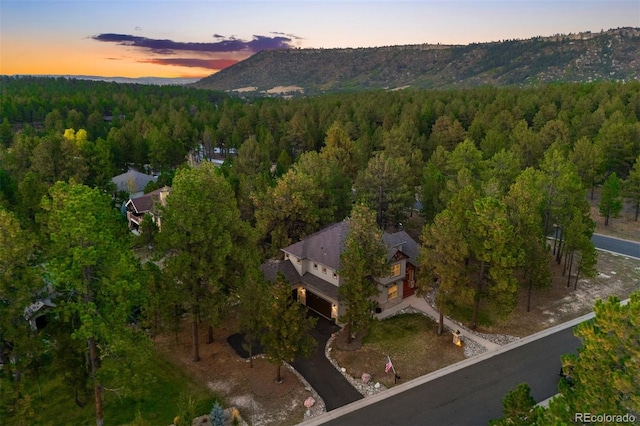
[
  {"x": 366, "y": 378},
  {"x": 309, "y": 402}
]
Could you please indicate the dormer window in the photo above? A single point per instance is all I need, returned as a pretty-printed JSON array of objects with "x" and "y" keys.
[
  {"x": 324, "y": 270},
  {"x": 395, "y": 270},
  {"x": 315, "y": 266},
  {"x": 335, "y": 276}
]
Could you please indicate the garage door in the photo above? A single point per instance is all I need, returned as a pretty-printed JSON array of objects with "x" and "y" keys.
[{"x": 318, "y": 304}]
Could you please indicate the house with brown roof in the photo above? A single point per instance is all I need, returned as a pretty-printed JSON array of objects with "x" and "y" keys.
[
  {"x": 312, "y": 268},
  {"x": 147, "y": 204}
]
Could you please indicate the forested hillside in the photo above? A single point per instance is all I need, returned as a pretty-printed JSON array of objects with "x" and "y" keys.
[
  {"x": 584, "y": 57},
  {"x": 496, "y": 170}
]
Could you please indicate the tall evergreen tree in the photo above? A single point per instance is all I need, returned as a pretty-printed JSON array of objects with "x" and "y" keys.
[
  {"x": 525, "y": 204},
  {"x": 386, "y": 186},
  {"x": 286, "y": 336},
  {"x": 605, "y": 372},
  {"x": 611, "y": 198},
  {"x": 197, "y": 229},
  {"x": 94, "y": 276},
  {"x": 632, "y": 187},
  {"x": 364, "y": 257}
]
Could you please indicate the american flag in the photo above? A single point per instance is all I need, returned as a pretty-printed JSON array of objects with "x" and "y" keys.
[{"x": 389, "y": 366}]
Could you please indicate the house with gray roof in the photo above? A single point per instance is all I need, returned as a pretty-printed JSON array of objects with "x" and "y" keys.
[
  {"x": 312, "y": 268},
  {"x": 133, "y": 182}
]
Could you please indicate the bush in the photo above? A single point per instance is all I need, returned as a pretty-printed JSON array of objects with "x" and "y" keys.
[{"x": 217, "y": 415}]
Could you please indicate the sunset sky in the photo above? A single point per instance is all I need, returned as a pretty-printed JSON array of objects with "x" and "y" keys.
[{"x": 195, "y": 38}]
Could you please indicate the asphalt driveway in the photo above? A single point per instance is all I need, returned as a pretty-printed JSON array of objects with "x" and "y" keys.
[{"x": 332, "y": 387}]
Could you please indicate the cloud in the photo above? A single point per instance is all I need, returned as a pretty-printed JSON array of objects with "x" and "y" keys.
[
  {"x": 166, "y": 47},
  {"x": 211, "y": 64},
  {"x": 292, "y": 36}
]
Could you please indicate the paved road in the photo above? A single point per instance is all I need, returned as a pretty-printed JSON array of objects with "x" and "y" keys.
[
  {"x": 472, "y": 395},
  {"x": 630, "y": 248},
  {"x": 332, "y": 387}
]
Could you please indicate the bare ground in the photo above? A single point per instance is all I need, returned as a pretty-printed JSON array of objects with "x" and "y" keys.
[
  {"x": 625, "y": 226},
  {"x": 254, "y": 391}
]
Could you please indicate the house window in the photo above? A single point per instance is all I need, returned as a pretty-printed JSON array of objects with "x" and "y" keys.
[
  {"x": 315, "y": 266},
  {"x": 298, "y": 261},
  {"x": 286, "y": 255},
  {"x": 324, "y": 270},
  {"x": 395, "y": 270},
  {"x": 392, "y": 292},
  {"x": 335, "y": 276}
]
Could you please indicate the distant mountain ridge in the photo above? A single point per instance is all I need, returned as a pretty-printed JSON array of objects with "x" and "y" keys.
[
  {"x": 157, "y": 81},
  {"x": 582, "y": 57}
]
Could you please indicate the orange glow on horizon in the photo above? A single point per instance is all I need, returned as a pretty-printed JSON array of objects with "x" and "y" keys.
[{"x": 85, "y": 57}]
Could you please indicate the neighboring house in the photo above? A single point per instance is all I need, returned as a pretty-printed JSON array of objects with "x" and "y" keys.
[
  {"x": 215, "y": 155},
  {"x": 312, "y": 268},
  {"x": 146, "y": 204},
  {"x": 133, "y": 182},
  {"x": 35, "y": 313}
]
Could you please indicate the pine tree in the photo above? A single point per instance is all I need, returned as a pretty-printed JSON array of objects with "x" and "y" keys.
[
  {"x": 95, "y": 276},
  {"x": 199, "y": 225},
  {"x": 286, "y": 336},
  {"x": 363, "y": 257},
  {"x": 611, "y": 198},
  {"x": 632, "y": 187},
  {"x": 605, "y": 372},
  {"x": 518, "y": 408},
  {"x": 217, "y": 416}
]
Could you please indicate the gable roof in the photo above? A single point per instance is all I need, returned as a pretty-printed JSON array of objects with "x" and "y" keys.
[
  {"x": 132, "y": 181},
  {"x": 401, "y": 241},
  {"x": 326, "y": 245},
  {"x": 144, "y": 203}
]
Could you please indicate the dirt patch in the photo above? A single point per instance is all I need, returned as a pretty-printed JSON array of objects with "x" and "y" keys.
[
  {"x": 260, "y": 400},
  {"x": 285, "y": 89},
  {"x": 625, "y": 226},
  {"x": 618, "y": 275}
]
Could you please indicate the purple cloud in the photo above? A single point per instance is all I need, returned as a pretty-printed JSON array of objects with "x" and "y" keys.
[
  {"x": 166, "y": 47},
  {"x": 212, "y": 64},
  {"x": 293, "y": 36}
]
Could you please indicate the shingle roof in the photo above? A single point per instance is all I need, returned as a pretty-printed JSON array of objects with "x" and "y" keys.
[
  {"x": 403, "y": 242},
  {"x": 144, "y": 203},
  {"x": 132, "y": 181},
  {"x": 271, "y": 268},
  {"x": 326, "y": 245},
  {"x": 317, "y": 283}
]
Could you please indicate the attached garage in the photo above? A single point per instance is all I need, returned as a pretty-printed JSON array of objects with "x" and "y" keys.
[{"x": 318, "y": 304}]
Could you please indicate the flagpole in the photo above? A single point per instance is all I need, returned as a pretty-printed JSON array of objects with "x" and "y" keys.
[{"x": 395, "y": 375}]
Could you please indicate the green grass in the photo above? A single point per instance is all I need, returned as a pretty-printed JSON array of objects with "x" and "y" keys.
[
  {"x": 464, "y": 315},
  {"x": 159, "y": 405},
  {"x": 396, "y": 328}
]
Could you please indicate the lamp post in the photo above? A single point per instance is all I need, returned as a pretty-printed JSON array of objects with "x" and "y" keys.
[{"x": 457, "y": 339}]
